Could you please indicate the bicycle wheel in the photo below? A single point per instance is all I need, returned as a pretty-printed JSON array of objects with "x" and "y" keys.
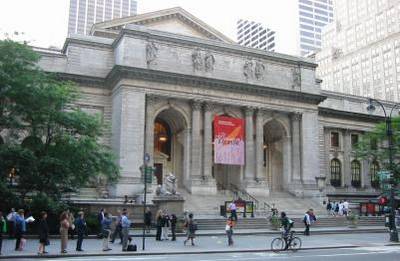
[
  {"x": 295, "y": 244},
  {"x": 278, "y": 244}
]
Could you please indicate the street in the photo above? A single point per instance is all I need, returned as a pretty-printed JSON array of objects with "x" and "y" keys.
[{"x": 388, "y": 253}]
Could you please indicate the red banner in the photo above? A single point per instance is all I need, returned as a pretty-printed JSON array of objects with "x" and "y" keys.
[{"x": 228, "y": 140}]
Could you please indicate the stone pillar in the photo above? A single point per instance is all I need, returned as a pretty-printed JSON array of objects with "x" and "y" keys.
[
  {"x": 259, "y": 147},
  {"x": 207, "y": 141},
  {"x": 196, "y": 160},
  {"x": 150, "y": 118},
  {"x": 250, "y": 163},
  {"x": 346, "y": 175},
  {"x": 128, "y": 123},
  {"x": 296, "y": 146},
  {"x": 186, "y": 158}
]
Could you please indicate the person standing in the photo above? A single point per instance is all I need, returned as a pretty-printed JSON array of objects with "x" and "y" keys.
[
  {"x": 337, "y": 208},
  {"x": 106, "y": 230},
  {"x": 3, "y": 229},
  {"x": 80, "y": 226},
  {"x": 117, "y": 229},
  {"x": 345, "y": 207},
  {"x": 125, "y": 224},
  {"x": 307, "y": 223},
  {"x": 100, "y": 217},
  {"x": 329, "y": 207},
  {"x": 64, "y": 227},
  {"x": 174, "y": 220},
  {"x": 71, "y": 220},
  {"x": 191, "y": 228},
  {"x": 229, "y": 230},
  {"x": 165, "y": 222},
  {"x": 20, "y": 229},
  {"x": 232, "y": 209},
  {"x": 43, "y": 233},
  {"x": 147, "y": 220},
  {"x": 11, "y": 222},
  {"x": 159, "y": 217}
]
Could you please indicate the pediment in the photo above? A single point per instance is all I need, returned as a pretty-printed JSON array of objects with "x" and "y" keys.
[{"x": 174, "y": 20}]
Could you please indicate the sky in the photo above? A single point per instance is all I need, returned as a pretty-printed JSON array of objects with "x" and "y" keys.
[{"x": 44, "y": 22}]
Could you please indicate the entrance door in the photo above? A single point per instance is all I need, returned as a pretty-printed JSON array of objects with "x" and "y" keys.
[{"x": 159, "y": 173}]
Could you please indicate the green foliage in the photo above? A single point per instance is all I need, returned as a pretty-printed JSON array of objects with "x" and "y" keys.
[
  {"x": 373, "y": 146},
  {"x": 51, "y": 144}
]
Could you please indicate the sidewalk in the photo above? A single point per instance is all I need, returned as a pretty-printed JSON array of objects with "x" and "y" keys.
[{"x": 204, "y": 244}]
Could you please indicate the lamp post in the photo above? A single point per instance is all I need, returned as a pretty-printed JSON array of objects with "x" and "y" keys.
[{"x": 394, "y": 236}]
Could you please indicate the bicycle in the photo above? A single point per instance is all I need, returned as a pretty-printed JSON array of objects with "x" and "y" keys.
[{"x": 280, "y": 244}]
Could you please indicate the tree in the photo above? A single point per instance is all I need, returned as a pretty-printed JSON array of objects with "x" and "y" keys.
[
  {"x": 373, "y": 146},
  {"x": 51, "y": 145}
]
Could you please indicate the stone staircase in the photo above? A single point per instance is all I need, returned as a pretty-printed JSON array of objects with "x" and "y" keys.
[{"x": 263, "y": 223}]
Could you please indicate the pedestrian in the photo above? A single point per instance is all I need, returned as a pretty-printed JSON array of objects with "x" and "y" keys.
[
  {"x": 337, "y": 208},
  {"x": 174, "y": 220},
  {"x": 287, "y": 225},
  {"x": 106, "y": 230},
  {"x": 71, "y": 220},
  {"x": 147, "y": 220},
  {"x": 191, "y": 228},
  {"x": 345, "y": 207},
  {"x": 117, "y": 229},
  {"x": 80, "y": 226},
  {"x": 43, "y": 231},
  {"x": 64, "y": 226},
  {"x": 341, "y": 208},
  {"x": 100, "y": 217},
  {"x": 229, "y": 230},
  {"x": 3, "y": 229},
  {"x": 232, "y": 208},
  {"x": 165, "y": 223},
  {"x": 11, "y": 222},
  {"x": 20, "y": 229},
  {"x": 159, "y": 217},
  {"x": 329, "y": 207},
  {"x": 125, "y": 224},
  {"x": 307, "y": 223}
]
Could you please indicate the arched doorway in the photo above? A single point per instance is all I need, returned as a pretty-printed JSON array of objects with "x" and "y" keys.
[
  {"x": 169, "y": 145},
  {"x": 274, "y": 154}
]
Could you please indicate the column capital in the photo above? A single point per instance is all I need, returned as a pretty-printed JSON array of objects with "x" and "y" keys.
[
  {"x": 249, "y": 111},
  {"x": 209, "y": 106},
  {"x": 196, "y": 105},
  {"x": 296, "y": 116}
]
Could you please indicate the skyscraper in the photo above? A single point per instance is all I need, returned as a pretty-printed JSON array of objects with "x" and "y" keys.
[
  {"x": 361, "y": 51},
  {"x": 84, "y": 13},
  {"x": 255, "y": 35}
]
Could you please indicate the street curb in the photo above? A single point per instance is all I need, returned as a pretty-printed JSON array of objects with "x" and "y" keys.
[{"x": 185, "y": 253}]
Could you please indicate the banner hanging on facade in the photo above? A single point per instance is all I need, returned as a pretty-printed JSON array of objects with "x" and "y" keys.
[{"x": 228, "y": 140}]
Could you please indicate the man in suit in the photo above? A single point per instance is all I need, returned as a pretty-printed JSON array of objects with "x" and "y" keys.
[{"x": 80, "y": 226}]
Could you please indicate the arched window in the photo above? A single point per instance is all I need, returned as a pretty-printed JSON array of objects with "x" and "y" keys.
[
  {"x": 162, "y": 137},
  {"x": 356, "y": 174},
  {"x": 336, "y": 173},
  {"x": 373, "y": 171}
]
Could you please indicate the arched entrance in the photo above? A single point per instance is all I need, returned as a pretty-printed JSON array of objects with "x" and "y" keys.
[
  {"x": 169, "y": 145},
  {"x": 274, "y": 146}
]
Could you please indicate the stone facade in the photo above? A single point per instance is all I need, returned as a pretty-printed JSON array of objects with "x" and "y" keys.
[{"x": 138, "y": 76}]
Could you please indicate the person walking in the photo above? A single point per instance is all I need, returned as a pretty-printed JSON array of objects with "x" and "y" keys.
[
  {"x": 165, "y": 223},
  {"x": 329, "y": 207},
  {"x": 125, "y": 224},
  {"x": 345, "y": 207},
  {"x": 147, "y": 220},
  {"x": 3, "y": 229},
  {"x": 11, "y": 222},
  {"x": 43, "y": 231},
  {"x": 100, "y": 217},
  {"x": 307, "y": 223},
  {"x": 174, "y": 220},
  {"x": 191, "y": 228},
  {"x": 337, "y": 208},
  {"x": 64, "y": 226},
  {"x": 159, "y": 217},
  {"x": 232, "y": 208},
  {"x": 117, "y": 229},
  {"x": 80, "y": 226},
  {"x": 229, "y": 230},
  {"x": 20, "y": 229},
  {"x": 106, "y": 230}
]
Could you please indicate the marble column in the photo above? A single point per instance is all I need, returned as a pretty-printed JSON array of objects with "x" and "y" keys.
[
  {"x": 250, "y": 163},
  {"x": 150, "y": 118},
  {"x": 346, "y": 174},
  {"x": 196, "y": 159},
  {"x": 259, "y": 147},
  {"x": 207, "y": 141},
  {"x": 296, "y": 155}
]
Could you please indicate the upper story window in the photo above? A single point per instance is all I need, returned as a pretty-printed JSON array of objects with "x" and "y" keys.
[
  {"x": 336, "y": 173},
  {"x": 373, "y": 171},
  {"x": 335, "y": 139},
  {"x": 356, "y": 173},
  {"x": 354, "y": 140}
]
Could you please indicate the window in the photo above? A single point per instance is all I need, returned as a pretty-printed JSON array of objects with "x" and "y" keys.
[
  {"x": 335, "y": 139},
  {"x": 354, "y": 140},
  {"x": 373, "y": 171},
  {"x": 336, "y": 175},
  {"x": 356, "y": 174}
]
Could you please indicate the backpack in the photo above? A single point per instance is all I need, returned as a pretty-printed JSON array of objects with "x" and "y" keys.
[
  {"x": 131, "y": 248},
  {"x": 192, "y": 226}
]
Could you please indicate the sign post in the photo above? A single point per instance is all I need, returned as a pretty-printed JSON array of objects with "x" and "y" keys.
[{"x": 146, "y": 172}]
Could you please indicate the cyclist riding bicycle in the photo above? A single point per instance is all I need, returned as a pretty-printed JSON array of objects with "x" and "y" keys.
[{"x": 287, "y": 225}]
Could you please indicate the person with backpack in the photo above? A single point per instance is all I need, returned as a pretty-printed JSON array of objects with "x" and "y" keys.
[
  {"x": 3, "y": 229},
  {"x": 307, "y": 223},
  {"x": 43, "y": 231},
  {"x": 191, "y": 228}
]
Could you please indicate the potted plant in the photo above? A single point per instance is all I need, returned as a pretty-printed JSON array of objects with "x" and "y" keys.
[
  {"x": 353, "y": 220},
  {"x": 275, "y": 222}
]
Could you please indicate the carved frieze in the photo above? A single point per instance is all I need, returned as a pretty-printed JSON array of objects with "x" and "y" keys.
[
  {"x": 253, "y": 69},
  {"x": 202, "y": 61},
  {"x": 151, "y": 53},
  {"x": 296, "y": 74}
]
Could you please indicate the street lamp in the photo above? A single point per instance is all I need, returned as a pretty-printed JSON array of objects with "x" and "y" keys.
[{"x": 394, "y": 236}]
